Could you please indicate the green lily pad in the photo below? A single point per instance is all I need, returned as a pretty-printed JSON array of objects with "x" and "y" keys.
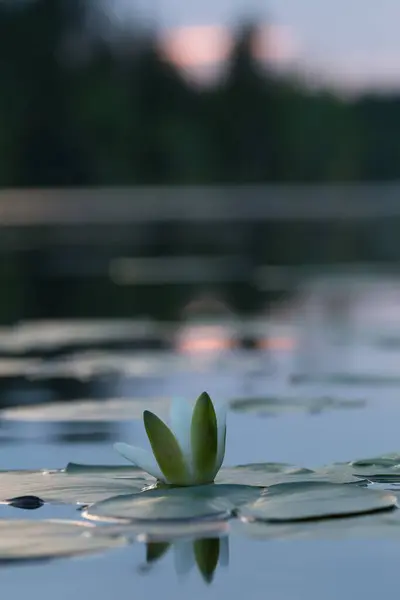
[
  {"x": 301, "y": 501},
  {"x": 354, "y": 379},
  {"x": 384, "y": 525},
  {"x": 273, "y": 405},
  {"x": 43, "y": 540},
  {"x": 51, "y": 334},
  {"x": 162, "y": 531},
  {"x": 113, "y": 470},
  {"x": 385, "y": 461},
  {"x": 85, "y": 484},
  {"x": 69, "y": 488},
  {"x": 380, "y": 477},
  {"x": 113, "y": 409},
  {"x": 267, "y": 474},
  {"x": 174, "y": 505},
  {"x": 85, "y": 365}
]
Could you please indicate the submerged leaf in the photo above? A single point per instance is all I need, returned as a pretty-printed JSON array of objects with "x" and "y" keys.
[
  {"x": 166, "y": 449},
  {"x": 204, "y": 438}
]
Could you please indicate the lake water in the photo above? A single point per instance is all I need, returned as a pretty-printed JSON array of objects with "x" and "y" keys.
[{"x": 360, "y": 371}]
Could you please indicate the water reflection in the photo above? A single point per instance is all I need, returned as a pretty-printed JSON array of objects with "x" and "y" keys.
[{"x": 205, "y": 553}]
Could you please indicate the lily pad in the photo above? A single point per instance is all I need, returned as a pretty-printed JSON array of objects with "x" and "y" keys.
[
  {"x": 273, "y": 405},
  {"x": 384, "y": 525},
  {"x": 113, "y": 409},
  {"x": 174, "y": 505},
  {"x": 44, "y": 540},
  {"x": 380, "y": 477},
  {"x": 301, "y": 501},
  {"x": 85, "y": 365},
  {"x": 267, "y": 474},
  {"x": 113, "y": 470},
  {"x": 52, "y": 335},
  {"x": 69, "y": 488},
  {"x": 385, "y": 461},
  {"x": 350, "y": 379},
  {"x": 165, "y": 531}
]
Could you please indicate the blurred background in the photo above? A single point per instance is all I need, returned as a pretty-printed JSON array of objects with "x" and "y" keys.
[{"x": 194, "y": 177}]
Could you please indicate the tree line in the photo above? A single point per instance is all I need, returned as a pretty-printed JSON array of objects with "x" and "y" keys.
[{"x": 78, "y": 109}]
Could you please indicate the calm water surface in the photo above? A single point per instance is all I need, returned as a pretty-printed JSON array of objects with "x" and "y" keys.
[{"x": 309, "y": 569}]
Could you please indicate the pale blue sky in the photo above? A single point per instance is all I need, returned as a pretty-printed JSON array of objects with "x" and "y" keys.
[{"x": 360, "y": 37}]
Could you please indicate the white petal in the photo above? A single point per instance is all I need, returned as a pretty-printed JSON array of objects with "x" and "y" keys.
[
  {"x": 181, "y": 420},
  {"x": 220, "y": 411},
  {"x": 141, "y": 458},
  {"x": 183, "y": 557}
]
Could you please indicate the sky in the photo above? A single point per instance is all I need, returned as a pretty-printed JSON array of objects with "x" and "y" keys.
[{"x": 355, "y": 40}]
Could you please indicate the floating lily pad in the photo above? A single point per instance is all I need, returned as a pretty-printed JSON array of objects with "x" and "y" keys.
[
  {"x": 113, "y": 409},
  {"x": 386, "y": 461},
  {"x": 314, "y": 501},
  {"x": 381, "y": 477},
  {"x": 174, "y": 505},
  {"x": 165, "y": 531},
  {"x": 85, "y": 484},
  {"x": 50, "y": 335},
  {"x": 273, "y": 405},
  {"x": 89, "y": 364},
  {"x": 267, "y": 474},
  {"x": 351, "y": 379},
  {"x": 69, "y": 488},
  {"x": 384, "y": 525},
  {"x": 260, "y": 474},
  {"x": 113, "y": 470},
  {"x": 44, "y": 540}
]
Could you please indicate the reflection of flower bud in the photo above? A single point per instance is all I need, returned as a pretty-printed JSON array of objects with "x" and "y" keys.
[
  {"x": 156, "y": 550},
  {"x": 206, "y": 553},
  {"x": 192, "y": 453}
]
